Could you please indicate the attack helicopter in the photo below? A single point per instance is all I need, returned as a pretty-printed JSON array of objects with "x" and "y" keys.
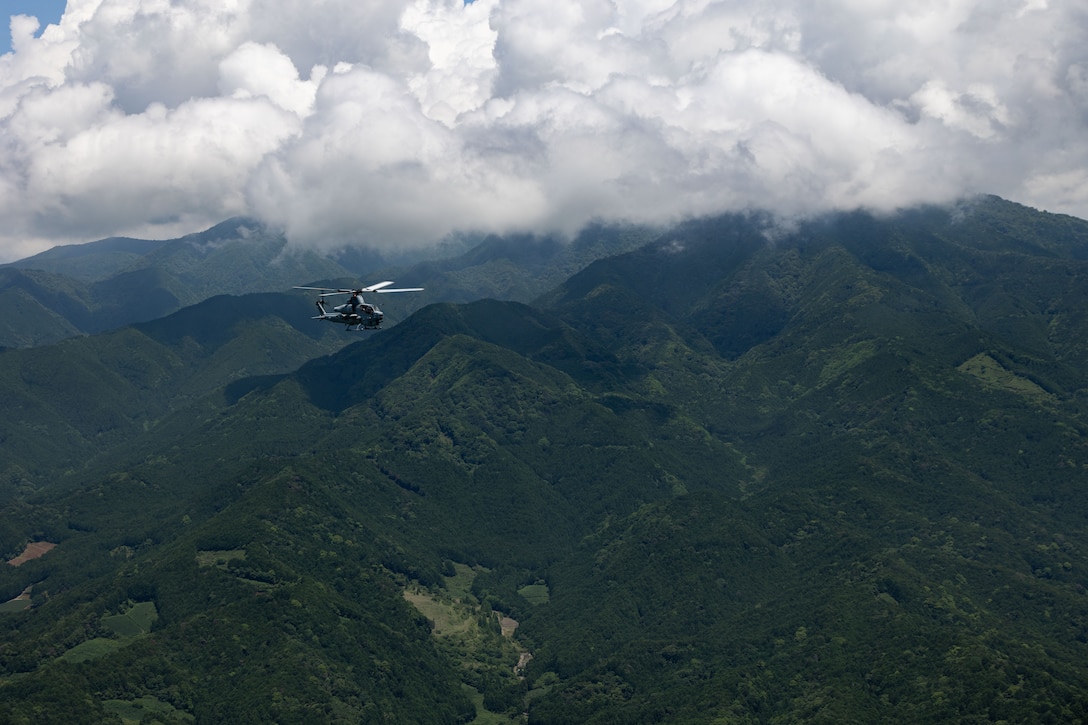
[{"x": 356, "y": 313}]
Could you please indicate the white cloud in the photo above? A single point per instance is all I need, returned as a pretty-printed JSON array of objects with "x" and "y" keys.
[
  {"x": 461, "y": 64},
  {"x": 255, "y": 71},
  {"x": 399, "y": 121}
]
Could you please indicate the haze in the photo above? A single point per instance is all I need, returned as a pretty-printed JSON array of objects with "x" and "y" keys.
[{"x": 397, "y": 123}]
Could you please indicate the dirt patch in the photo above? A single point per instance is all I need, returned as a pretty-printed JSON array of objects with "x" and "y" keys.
[
  {"x": 507, "y": 625},
  {"x": 32, "y": 551}
]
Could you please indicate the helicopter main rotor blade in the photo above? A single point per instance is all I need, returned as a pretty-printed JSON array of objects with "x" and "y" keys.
[
  {"x": 330, "y": 290},
  {"x": 380, "y": 287},
  {"x": 376, "y": 287}
]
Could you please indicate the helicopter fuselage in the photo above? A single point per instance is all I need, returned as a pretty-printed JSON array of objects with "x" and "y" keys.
[{"x": 354, "y": 313}]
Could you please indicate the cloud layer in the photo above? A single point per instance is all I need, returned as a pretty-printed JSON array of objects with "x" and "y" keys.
[{"x": 396, "y": 123}]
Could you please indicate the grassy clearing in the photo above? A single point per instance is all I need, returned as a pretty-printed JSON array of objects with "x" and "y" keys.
[
  {"x": 993, "y": 374},
  {"x": 448, "y": 618},
  {"x": 844, "y": 359},
  {"x": 460, "y": 584},
  {"x": 478, "y": 638},
  {"x": 535, "y": 593},
  {"x": 219, "y": 557},
  {"x": 134, "y": 622},
  {"x": 19, "y": 603},
  {"x": 133, "y": 712},
  {"x": 484, "y": 716},
  {"x": 14, "y": 605},
  {"x": 92, "y": 649}
]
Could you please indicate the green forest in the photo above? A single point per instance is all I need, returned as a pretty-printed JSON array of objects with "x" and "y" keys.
[{"x": 716, "y": 473}]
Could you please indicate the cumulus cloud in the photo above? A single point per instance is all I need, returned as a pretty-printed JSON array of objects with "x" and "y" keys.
[{"x": 397, "y": 122}]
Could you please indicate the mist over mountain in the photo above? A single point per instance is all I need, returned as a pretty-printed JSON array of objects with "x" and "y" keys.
[{"x": 737, "y": 473}]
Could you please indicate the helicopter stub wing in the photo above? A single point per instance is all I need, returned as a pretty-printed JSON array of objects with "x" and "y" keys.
[{"x": 346, "y": 319}]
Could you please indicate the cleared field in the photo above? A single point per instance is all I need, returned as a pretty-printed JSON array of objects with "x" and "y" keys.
[
  {"x": 92, "y": 649},
  {"x": 535, "y": 593},
  {"x": 993, "y": 374},
  {"x": 460, "y": 584},
  {"x": 144, "y": 709},
  {"x": 483, "y": 716},
  {"x": 218, "y": 557},
  {"x": 134, "y": 622},
  {"x": 32, "y": 551},
  {"x": 14, "y": 605},
  {"x": 19, "y": 603},
  {"x": 447, "y": 618}
]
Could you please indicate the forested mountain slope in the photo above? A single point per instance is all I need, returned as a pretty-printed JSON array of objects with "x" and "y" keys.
[
  {"x": 66, "y": 403},
  {"x": 911, "y": 539},
  {"x": 834, "y": 472}
]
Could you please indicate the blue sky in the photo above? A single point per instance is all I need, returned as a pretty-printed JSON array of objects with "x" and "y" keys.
[{"x": 47, "y": 11}]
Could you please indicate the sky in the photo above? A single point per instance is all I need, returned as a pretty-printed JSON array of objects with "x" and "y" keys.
[
  {"x": 48, "y": 11},
  {"x": 394, "y": 123}
]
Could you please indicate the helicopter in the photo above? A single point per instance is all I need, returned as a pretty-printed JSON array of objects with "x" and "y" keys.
[{"x": 356, "y": 313}]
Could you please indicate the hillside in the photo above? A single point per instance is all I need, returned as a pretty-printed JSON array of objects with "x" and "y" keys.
[
  {"x": 739, "y": 474},
  {"x": 66, "y": 403}
]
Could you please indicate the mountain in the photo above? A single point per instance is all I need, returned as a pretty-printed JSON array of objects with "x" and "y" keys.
[
  {"x": 93, "y": 261},
  {"x": 224, "y": 255},
  {"x": 68, "y": 402},
  {"x": 833, "y": 472},
  {"x": 90, "y": 288},
  {"x": 100, "y": 286},
  {"x": 908, "y": 396},
  {"x": 521, "y": 267}
]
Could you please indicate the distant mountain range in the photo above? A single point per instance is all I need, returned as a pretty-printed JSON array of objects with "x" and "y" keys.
[
  {"x": 90, "y": 288},
  {"x": 721, "y": 472}
]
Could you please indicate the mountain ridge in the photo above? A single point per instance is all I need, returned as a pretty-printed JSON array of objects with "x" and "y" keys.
[{"x": 91, "y": 288}]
